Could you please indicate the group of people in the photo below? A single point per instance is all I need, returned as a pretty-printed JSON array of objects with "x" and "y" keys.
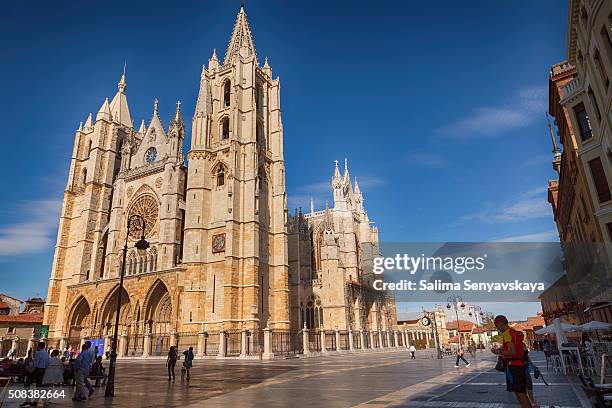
[
  {"x": 173, "y": 357},
  {"x": 41, "y": 368}
]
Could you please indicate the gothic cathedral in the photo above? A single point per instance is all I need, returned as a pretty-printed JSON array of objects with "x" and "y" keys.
[{"x": 223, "y": 253}]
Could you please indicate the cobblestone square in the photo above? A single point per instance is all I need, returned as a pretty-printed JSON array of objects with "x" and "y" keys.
[{"x": 375, "y": 379}]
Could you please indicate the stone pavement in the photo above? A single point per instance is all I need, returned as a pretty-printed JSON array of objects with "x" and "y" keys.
[{"x": 364, "y": 380}]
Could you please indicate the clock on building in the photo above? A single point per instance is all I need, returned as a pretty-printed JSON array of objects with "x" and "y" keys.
[
  {"x": 425, "y": 321},
  {"x": 150, "y": 155},
  {"x": 218, "y": 243}
]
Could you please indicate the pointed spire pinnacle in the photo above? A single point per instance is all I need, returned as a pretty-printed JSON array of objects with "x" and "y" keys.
[
  {"x": 347, "y": 178},
  {"x": 122, "y": 84},
  {"x": 336, "y": 170},
  {"x": 156, "y": 122},
  {"x": 176, "y": 125},
  {"x": 119, "y": 106},
  {"x": 88, "y": 122},
  {"x": 104, "y": 112},
  {"x": 241, "y": 42},
  {"x": 357, "y": 190},
  {"x": 177, "y": 114},
  {"x": 142, "y": 129},
  {"x": 214, "y": 56},
  {"x": 80, "y": 126},
  {"x": 266, "y": 64}
]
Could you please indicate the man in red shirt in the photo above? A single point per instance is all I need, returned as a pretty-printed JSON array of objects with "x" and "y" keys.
[{"x": 512, "y": 351}]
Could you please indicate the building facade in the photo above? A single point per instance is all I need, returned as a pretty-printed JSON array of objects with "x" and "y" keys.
[
  {"x": 218, "y": 229},
  {"x": 580, "y": 99},
  {"x": 19, "y": 329}
]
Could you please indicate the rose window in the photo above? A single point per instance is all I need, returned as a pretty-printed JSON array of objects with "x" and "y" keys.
[{"x": 145, "y": 206}]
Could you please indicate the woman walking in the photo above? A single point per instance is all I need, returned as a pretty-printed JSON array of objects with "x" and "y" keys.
[
  {"x": 460, "y": 353},
  {"x": 171, "y": 362},
  {"x": 54, "y": 374},
  {"x": 188, "y": 363}
]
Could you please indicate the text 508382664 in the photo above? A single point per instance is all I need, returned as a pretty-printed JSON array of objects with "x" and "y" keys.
[{"x": 36, "y": 394}]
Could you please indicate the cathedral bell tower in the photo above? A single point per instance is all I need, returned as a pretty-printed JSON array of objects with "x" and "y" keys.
[{"x": 235, "y": 250}]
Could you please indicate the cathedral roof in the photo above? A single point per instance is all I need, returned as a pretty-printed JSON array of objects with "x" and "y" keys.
[{"x": 241, "y": 39}]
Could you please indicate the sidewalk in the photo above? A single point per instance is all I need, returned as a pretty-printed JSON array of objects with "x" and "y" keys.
[{"x": 484, "y": 387}]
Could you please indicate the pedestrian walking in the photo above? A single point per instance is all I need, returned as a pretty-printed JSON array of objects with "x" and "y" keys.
[
  {"x": 460, "y": 356},
  {"x": 108, "y": 351},
  {"x": 171, "y": 362},
  {"x": 512, "y": 353},
  {"x": 82, "y": 366},
  {"x": 36, "y": 372},
  {"x": 412, "y": 351},
  {"x": 91, "y": 355},
  {"x": 187, "y": 364},
  {"x": 528, "y": 367}
]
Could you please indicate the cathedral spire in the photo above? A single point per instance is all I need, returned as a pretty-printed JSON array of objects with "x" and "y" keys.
[
  {"x": 241, "y": 42},
  {"x": 119, "y": 106},
  {"x": 104, "y": 112},
  {"x": 122, "y": 84},
  {"x": 177, "y": 113},
  {"x": 347, "y": 177},
  {"x": 88, "y": 123},
  {"x": 142, "y": 129},
  {"x": 156, "y": 122},
  {"x": 336, "y": 170},
  {"x": 357, "y": 190}
]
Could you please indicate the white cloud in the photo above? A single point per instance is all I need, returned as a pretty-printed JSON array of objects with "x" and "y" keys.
[
  {"x": 538, "y": 160},
  {"x": 35, "y": 233},
  {"x": 544, "y": 236},
  {"x": 531, "y": 205},
  {"x": 427, "y": 160},
  {"x": 490, "y": 121}
]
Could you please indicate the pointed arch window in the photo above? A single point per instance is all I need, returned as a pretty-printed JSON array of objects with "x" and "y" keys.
[
  {"x": 84, "y": 176},
  {"x": 260, "y": 136},
  {"x": 89, "y": 149},
  {"x": 225, "y": 128},
  {"x": 227, "y": 91},
  {"x": 220, "y": 175}
]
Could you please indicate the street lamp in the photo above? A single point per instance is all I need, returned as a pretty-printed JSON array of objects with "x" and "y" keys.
[
  {"x": 135, "y": 223},
  {"x": 431, "y": 316},
  {"x": 454, "y": 300},
  {"x": 478, "y": 321}
]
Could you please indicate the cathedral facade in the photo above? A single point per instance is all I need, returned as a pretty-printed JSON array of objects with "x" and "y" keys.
[
  {"x": 333, "y": 250},
  {"x": 223, "y": 251}
]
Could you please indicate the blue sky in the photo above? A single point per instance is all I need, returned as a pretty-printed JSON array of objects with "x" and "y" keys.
[{"x": 438, "y": 107}]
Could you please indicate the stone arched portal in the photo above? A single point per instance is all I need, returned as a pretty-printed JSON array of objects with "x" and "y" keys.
[
  {"x": 109, "y": 311},
  {"x": 80, "y": 318},
  {"x": 158, "y": 309}
]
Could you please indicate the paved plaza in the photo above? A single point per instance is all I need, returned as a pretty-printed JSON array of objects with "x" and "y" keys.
[{"x": 365, "y": 380}]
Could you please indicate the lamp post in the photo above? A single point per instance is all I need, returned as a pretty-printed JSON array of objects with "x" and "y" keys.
[
  {"x": 454, "y": 300},
  {"x": 135, "y": 223},
  {"x": 434, "y": 329},
  {"x": 478, "y": 309}
]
